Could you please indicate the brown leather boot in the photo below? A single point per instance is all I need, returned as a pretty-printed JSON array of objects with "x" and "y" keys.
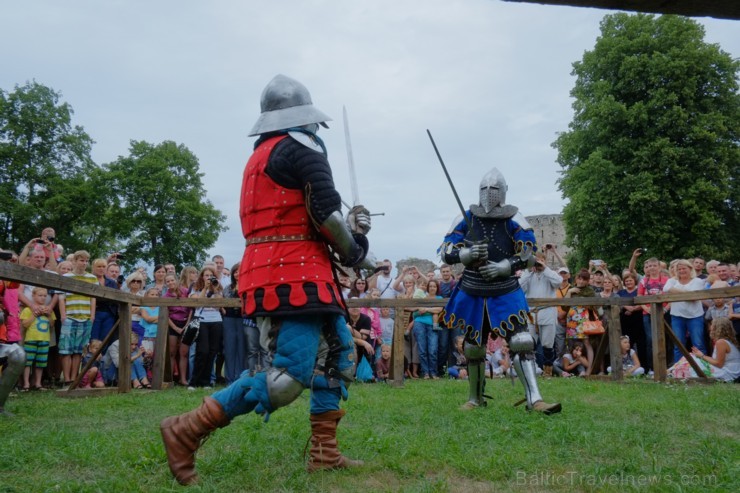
[
  {"x": 546, "y": 407},
  {"x": 182, "y": 435},
  {"x": 324, "y": 451}
]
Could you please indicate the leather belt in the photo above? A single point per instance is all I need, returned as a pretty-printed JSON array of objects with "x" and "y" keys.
[{"x": 277, "y": 238}]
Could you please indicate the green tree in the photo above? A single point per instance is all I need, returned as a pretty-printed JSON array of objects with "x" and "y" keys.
[
  {"x": 651, "y": 157},
  {"x": 45, "y": 168},
  {"x": 160, "y": 208}
]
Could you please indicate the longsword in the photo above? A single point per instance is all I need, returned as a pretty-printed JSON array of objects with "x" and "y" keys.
[
  {"x": 350, "y": 160},
  {"x": 452, "y": 185}
]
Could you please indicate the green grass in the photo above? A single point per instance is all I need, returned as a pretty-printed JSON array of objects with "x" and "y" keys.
[{"x": 609, "y": 437}]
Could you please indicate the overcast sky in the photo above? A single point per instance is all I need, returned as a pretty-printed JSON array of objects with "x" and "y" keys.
[{"x": 490, "y": 79}]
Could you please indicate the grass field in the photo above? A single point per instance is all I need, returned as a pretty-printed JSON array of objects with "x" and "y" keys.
[{"x": 636, "y": 436}]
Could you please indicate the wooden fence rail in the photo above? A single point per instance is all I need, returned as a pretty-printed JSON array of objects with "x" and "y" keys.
[{"x": 162, "y": 373}]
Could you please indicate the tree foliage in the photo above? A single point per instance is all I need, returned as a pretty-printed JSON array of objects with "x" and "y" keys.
[
  {"x": 151, "y": 203},
  {"x": 160, "y": 206},
  {"x": 651, "y": 157},
  {"x": 45, "y": 167}
]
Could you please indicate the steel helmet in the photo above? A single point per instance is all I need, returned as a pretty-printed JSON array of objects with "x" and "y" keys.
[
  {"x": 286, "y": 103},
  {"x": 492, "y": 190}
]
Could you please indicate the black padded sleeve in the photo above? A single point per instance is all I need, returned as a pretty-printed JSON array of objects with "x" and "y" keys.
[{"x": 295, "y": 166}]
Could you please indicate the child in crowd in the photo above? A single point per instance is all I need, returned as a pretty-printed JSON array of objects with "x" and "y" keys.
[
  {"x": 138, "y": 373},
  {"x": 574, "y": 362},
  {"x": 383, "y": 364},
  {"x": 36, "y": 334},
  {"x": 149, "y": 318},
  {"x": 459, "y": 370},
  {"x": 93, "y": 377},
  {"x": 499, "y": 362},
  {"x": 76, "y": 312},
  {"x": 386, "y": 325},
  {"x": 110, "y": 363},
  {"x": 724, "y": 364},
  {"x": 374, "y": 315},
  {"x": 630, "y": 361},
  {"x": 720, "y": 307}
]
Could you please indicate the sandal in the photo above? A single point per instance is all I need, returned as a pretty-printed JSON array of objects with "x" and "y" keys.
[{"x": 25, "y": 389}]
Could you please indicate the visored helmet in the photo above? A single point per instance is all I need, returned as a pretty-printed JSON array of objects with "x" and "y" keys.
[
  {"x": 492, "y": 190},
  {"x": 286, "y": 103}
]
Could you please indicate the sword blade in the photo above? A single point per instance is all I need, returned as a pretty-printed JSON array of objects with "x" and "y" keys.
[
  {"x": 452, "y": 185},
  {"x": 350, "y": 160}
]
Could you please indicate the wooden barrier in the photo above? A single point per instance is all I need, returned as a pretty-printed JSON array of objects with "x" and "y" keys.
[{"x": 161, "y": 377}]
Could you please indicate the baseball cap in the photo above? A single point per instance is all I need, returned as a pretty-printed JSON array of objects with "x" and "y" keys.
[{"x": 563, "y": 269}]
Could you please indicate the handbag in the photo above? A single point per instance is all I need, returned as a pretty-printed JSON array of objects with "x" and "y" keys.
[
  {"x": 593, "y": 328},
  {"x": 364, "y": 372},
  {"x": 190, "y": 334}
]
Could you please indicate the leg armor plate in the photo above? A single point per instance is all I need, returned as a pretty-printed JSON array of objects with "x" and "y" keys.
[
  {"x": 476, "y": 356},
  {"x": 521, "y": 344}
]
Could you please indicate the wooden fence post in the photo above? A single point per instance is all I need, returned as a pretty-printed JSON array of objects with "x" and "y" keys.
[
  {"x": 161, "y": 371},
  {"x": 396, "y": 370},
  {"x": 615, "y": 344},
  {"x": 124, "y": 347},
  {"x": 656, "y": 327}
]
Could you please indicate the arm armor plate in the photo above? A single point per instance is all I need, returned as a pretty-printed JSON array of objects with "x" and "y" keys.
[{"x": 344, "y": 243}]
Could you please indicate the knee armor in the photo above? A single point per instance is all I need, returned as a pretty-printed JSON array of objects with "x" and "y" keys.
[
  {"x": 282, "y": 389},
  {"x": 521, "y": 342},
  {"x": 15, "y": 354},
  {"x": 474, "y": 353}
]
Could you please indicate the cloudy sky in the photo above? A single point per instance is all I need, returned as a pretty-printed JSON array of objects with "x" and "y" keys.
[{"x": 490, "y": 79}]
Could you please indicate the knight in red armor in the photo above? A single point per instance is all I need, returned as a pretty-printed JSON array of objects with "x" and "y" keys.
[{"x": 293, "y": 226}]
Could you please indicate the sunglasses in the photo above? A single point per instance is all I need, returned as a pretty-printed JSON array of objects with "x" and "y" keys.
[{"x": 136, "y": 281}]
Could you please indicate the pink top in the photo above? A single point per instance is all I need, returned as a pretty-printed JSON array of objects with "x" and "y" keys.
[
  {"x": 178, "y": 313},
  {"x": 374, "y": 315},
  {"x": 12, "y": 321}
]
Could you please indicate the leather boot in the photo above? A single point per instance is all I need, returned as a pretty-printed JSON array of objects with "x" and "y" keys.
[
  {"x": 324, "y": 452},
  {"x": 182, "y": 435},
  {"x": 546, "y": 407}
]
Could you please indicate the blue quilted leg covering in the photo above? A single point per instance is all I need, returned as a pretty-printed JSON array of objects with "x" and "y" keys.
[
  {"x": 244, "y": 395},
  {"x": 297, "y": 345},
  {"x": 324, "y": 398}
]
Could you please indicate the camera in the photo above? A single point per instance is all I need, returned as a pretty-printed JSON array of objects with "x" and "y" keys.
[
  {"x": 40, "y": 241},
  {"x": 119, "y": 255},
  {"x": 643, "y": 250},
  {"x": 121, "y": 279},
  {"x": 213, "y": 281},
  {"x": 597, "y": 262},
  {"x": 6, "y": 256},
  {"x": 548, "y": 246}
]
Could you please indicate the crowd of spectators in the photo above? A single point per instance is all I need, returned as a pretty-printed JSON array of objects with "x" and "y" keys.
[
  {"x": 61, "y": 332},
  {"x": 568, "y": 335}
]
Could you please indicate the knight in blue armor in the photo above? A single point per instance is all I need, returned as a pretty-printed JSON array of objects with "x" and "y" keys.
[
  {"x": 493, "y": 241},
  {"x": 293, "y": 227}
]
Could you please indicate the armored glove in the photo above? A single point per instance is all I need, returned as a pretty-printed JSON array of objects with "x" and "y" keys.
[
  {"x": 492, "y": 270},
  {"x": 476, "y": 253},
  {"x": 358, "y": 220}
]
